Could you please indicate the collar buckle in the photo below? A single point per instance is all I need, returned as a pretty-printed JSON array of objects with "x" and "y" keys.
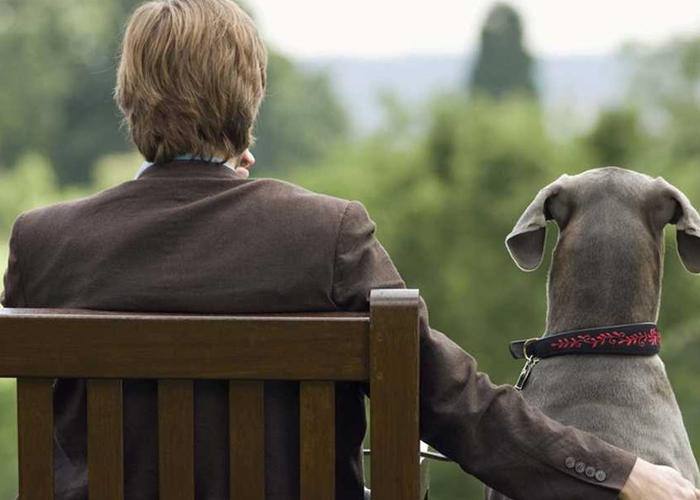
[{"x": 528, "y": 343}]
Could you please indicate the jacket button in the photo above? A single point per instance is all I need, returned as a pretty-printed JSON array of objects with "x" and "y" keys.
[
  {"x": 600, "y": 476},
  {"x": 580, "y": 467},
  {"x": 570, "y": 463},
  {"x": 590, "y": 471}
]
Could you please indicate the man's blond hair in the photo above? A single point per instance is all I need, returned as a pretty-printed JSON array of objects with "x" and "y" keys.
[{"x": 191, "y": 78}]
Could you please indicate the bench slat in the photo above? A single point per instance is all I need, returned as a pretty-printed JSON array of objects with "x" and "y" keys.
[
  {"x": 105, "y": 439},
  {"x": 317, "y": 433},
  {"x": 183, "y": 347},
  {"x": 394, "y": 387},
  {"x": 35, "y": 432},
  {"x": 176, "y": 439},
  {"x": 247, "y": 440}
]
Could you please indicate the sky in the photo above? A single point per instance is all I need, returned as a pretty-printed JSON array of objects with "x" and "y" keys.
[{"x": 376, "y": 28}]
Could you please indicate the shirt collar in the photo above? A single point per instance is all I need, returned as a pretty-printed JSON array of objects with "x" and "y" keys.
[{"x": 189, "y": 158}]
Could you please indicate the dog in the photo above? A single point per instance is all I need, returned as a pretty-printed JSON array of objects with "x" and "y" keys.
[{"x": 606, "y": 271}]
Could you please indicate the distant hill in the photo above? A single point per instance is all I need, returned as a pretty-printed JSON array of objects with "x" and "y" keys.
[{"x": 578, "y": 85}]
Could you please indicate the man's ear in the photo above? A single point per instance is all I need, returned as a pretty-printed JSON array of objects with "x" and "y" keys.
[
  {"x": 687, "y": 223},
  {"x": 526, "y": 242}
]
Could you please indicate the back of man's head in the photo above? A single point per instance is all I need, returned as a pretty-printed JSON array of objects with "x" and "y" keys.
[{"x": 191, "y": 78}]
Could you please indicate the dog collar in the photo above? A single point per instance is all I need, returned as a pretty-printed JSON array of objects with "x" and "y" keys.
[
  {"x": 638, "y": 339},
  {"x": 642, "y": 339}
]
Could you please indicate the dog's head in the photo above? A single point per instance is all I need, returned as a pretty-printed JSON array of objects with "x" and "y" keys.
[
  {"x": 608, "y": 260},
  {"x": 608, "y": 208}
]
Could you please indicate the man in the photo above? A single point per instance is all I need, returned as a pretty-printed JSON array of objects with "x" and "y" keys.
[{"x": 193, "y": 235}]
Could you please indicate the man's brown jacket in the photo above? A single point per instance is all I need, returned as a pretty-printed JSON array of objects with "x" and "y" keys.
[{"x": 191, "y": 237}]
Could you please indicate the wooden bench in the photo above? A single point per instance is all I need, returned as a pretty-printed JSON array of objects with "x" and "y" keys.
[{"x": 37, "y": 346}]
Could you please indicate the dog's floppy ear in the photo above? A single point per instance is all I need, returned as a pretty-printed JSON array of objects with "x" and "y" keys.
[
  {"x": 526, "y": 242},
  {"x": 687, "y": 223}
]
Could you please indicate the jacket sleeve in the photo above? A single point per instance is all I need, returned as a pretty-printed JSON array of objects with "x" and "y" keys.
[
  {"x": 490, "y": 431},
  {"x": 13, "y": 294}
]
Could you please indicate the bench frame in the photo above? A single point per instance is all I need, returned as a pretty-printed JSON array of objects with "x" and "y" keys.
[{"x": 317, "y": 350}]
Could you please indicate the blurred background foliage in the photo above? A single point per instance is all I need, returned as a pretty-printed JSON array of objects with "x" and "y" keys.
[{"x": 445, "y": 183}]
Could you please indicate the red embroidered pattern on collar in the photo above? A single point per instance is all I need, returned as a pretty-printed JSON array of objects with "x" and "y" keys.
[{"x": 614, "y": 338}]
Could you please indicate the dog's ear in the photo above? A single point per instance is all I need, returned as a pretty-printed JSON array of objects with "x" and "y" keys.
[
  {"x": 687, "y": 222},
  {"x": 526, "y": 242}
]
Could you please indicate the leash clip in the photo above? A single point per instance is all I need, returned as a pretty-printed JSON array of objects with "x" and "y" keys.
[{"x": 529, "y": 365}]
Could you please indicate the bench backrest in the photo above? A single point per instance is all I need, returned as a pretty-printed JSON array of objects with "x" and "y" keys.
[{"x": 37, "y": 346}]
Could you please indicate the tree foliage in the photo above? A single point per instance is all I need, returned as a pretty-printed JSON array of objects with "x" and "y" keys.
[
  {"x": 503, "y": 66},
  {"x": 300, "y": 118},
  {"x": 617, "y": 137}
]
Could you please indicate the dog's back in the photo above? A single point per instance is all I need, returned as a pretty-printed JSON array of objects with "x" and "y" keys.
[
  {"x": 606, "y": 270},
  {"x": 625, "y": 400}
]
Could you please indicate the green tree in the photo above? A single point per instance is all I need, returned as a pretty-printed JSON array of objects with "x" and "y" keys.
[
  {"x": 58, "y": 74},
  {"x": 666, "y": 87},
  {"x": 300, "y": 119},
  {"x": 442, "y": 143},
  {"x": 504, "y": 65},
  {"x": 617, "y": 138}
]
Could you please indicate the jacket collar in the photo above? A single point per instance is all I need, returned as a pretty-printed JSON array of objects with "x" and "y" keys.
[{"x": 189, "y": 169}]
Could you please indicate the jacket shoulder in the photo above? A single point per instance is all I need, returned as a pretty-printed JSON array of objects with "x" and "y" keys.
[
  {"x": 287, "y": 192},
  {"x": 57, "y": 217},
  {"x": 307, "y": 208},
  {"x": 72, "y": 205}
]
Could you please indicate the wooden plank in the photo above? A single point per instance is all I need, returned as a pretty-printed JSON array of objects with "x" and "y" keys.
[
  {"x": 35, "y": 443},
  {"x": 176, "y": 439},
  {"x": 317, "y": 446},
  {"x": 394, "y": 383},
  {"x": 105, "y": 439},
  {"x": 82, "y": 313},
  {"x": 187, "y": 347},
  {"x": 247, "y": 440}
]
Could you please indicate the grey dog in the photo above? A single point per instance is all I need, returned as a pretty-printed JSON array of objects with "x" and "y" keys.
[{"x": 606, "y": 270}]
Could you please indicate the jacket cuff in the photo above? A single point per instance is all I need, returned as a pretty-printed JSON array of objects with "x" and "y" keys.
[{"x": 586, "y": 458}]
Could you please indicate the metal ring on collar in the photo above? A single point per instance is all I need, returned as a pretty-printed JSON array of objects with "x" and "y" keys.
[{"x": 528, "y": 357}]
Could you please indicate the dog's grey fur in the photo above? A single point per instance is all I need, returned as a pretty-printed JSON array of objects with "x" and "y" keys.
[{"x": 606, "y": 270}]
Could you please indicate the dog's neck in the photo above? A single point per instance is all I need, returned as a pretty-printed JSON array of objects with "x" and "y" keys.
[{"x": 612, "y": 287}]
